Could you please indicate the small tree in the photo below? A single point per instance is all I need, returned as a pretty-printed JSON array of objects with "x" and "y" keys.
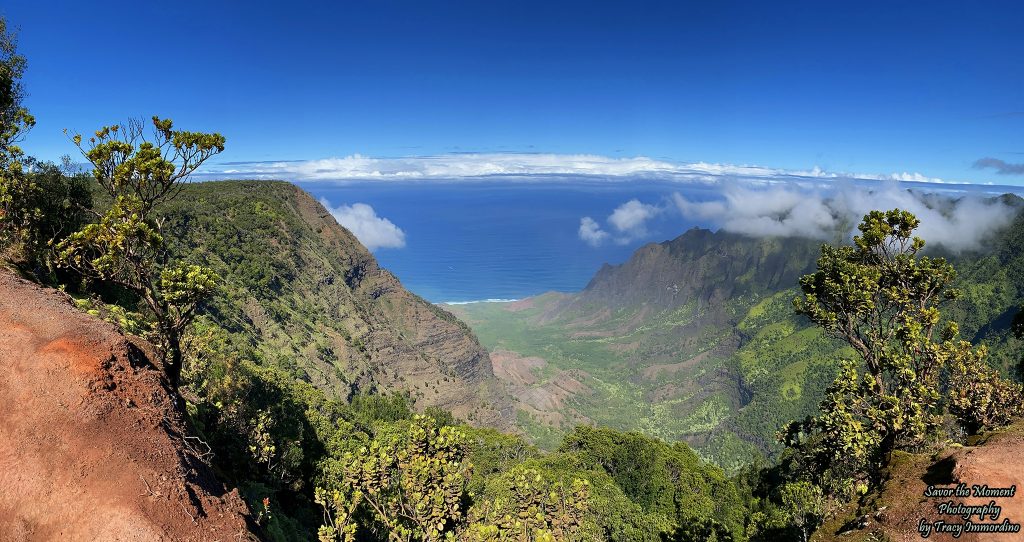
[
  {"x": 16, "y": 191},
  {"x": 883, "y": 298},
  {"x": 411, "y": 482},
  {"x": 125, "y": 247},
  {"x": 536, "y": 509},
  {"x": 15, "y": 120},
  {"x": 42, "y": 206},
  {"x": 978, "y": 395},
  {"x": 804, "y": 503}
]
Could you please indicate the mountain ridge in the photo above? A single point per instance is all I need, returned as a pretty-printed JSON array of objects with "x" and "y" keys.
[{"x": 317, "y": 296}]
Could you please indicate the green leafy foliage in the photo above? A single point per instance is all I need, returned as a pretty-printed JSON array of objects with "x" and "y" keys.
[
  {"x": 883, "y": 298},
  {"x": 665, "y": 479},
  {"x": 410, "y": 484},
  {"x": 38, "y": 208},
  {"x": 126, "y": 247},
  {"x": 15, "y": 120},
  {"x": 39, "y": 204},
  {"x": 804, "y": 503},
  {"x": 978, "y": 395},
  {"x": 535, "y": 508},
  {"x": 413, "y": 481}
]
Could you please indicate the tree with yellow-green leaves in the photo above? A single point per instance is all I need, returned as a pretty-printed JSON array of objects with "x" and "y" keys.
[
  {"x": 15, "y": 121},
  {"x": 883, "y": 298},
  {"x": 39, "y": 203},
  {"x": 125, "y": 247},
  {"x": 536, "y": 509},
  {"x": 411, "y": 483}
]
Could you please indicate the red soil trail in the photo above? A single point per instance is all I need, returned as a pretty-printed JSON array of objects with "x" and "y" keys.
[
  {"x": 995, "y": 460},
  {"x": 92, "y": 445}
]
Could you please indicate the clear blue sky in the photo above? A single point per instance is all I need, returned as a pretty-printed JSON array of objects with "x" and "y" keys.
[{"x": 874, "y": 87}]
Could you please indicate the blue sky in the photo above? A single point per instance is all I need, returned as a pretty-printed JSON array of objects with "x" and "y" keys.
[{"x": 868, "y": 87}]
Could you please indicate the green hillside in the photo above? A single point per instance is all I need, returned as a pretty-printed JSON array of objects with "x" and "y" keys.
[
  {"x": 305, "y": 295},
  {"x": 696, "y": 339}
]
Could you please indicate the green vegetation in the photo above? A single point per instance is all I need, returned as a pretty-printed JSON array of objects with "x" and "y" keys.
[
  {"x": 294, "y": 370},
  {"x": 282, "y": 439},
  {"x": 669, "y": 374},
  {"x": 883, "y": 299},
  {"x": 15, "y": 120},
  {"x": 125, "y": 247},
  {"x": 38, "y": 203}
]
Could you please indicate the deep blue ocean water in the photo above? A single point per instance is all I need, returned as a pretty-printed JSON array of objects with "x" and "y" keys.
[{"x": 476, "y": 240}]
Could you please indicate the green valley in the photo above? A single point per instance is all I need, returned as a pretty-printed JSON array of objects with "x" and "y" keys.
[{"x": 696, "y": 339}]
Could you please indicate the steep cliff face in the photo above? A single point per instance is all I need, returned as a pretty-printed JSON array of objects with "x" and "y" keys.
[
  {"x": 306, "y": 293},
  {"x": 700, "y": 267},
  {"x": 92, "y": 446}
]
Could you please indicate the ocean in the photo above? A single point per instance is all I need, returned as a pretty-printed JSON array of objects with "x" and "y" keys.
[
  {"x": 474, "y": 240},
  {"x": 485, "y": 240}
]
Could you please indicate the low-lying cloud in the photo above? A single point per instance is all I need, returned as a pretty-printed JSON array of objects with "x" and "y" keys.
[
  {"x": 372, "y": 231},
  {"x": 957, "y": 224},
  {"x": 628, "y": 222},
  {"x": 630, "y": 219},
  {"x": 591, "y": 233},
  {"x": 523, "y": 166},
  {"x": 1002, "y": 167}
]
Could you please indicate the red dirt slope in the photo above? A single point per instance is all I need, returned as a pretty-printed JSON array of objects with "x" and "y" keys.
[
  {"x": 995, "y": 460},
  {"x": 92, "y": 446}
]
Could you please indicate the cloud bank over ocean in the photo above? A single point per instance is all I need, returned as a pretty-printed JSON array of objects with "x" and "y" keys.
[
  {"x": 524, "y": 166},
  {"x": 751, "y": 200},
  {"x": 956, "y": 224}
]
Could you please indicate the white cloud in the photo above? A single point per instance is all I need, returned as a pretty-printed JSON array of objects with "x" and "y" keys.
[
  {"x": 525, "y": 166},
  {"x": 372, "y": 231},
  {"x": 448, "y": 166},
  {"x": 591, "y": 233},
  {"x": 792, "y": 211},
  {"x": 630, "y": 219},
  {"x": 629, "y": 222}
]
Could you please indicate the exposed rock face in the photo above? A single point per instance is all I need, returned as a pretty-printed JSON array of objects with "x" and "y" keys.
[
  {"x": 92, "y": 446},
  {"x": 305, "y": 289}
]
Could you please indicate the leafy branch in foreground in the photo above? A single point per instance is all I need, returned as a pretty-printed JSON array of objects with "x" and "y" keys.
[
  {"x": 125, "y": 246},
  {"x": 411, "y": 483}
]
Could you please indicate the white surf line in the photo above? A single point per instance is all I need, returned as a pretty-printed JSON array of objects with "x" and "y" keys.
[{"x": 496, "y": 300}]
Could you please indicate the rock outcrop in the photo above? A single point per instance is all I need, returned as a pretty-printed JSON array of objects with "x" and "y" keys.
[{"x": 92, "y": 443}]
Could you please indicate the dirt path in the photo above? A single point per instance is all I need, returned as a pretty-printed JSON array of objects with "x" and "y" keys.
[
  {"x": 914, "y": 493},
  {"x": 91, "y": 444}
]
